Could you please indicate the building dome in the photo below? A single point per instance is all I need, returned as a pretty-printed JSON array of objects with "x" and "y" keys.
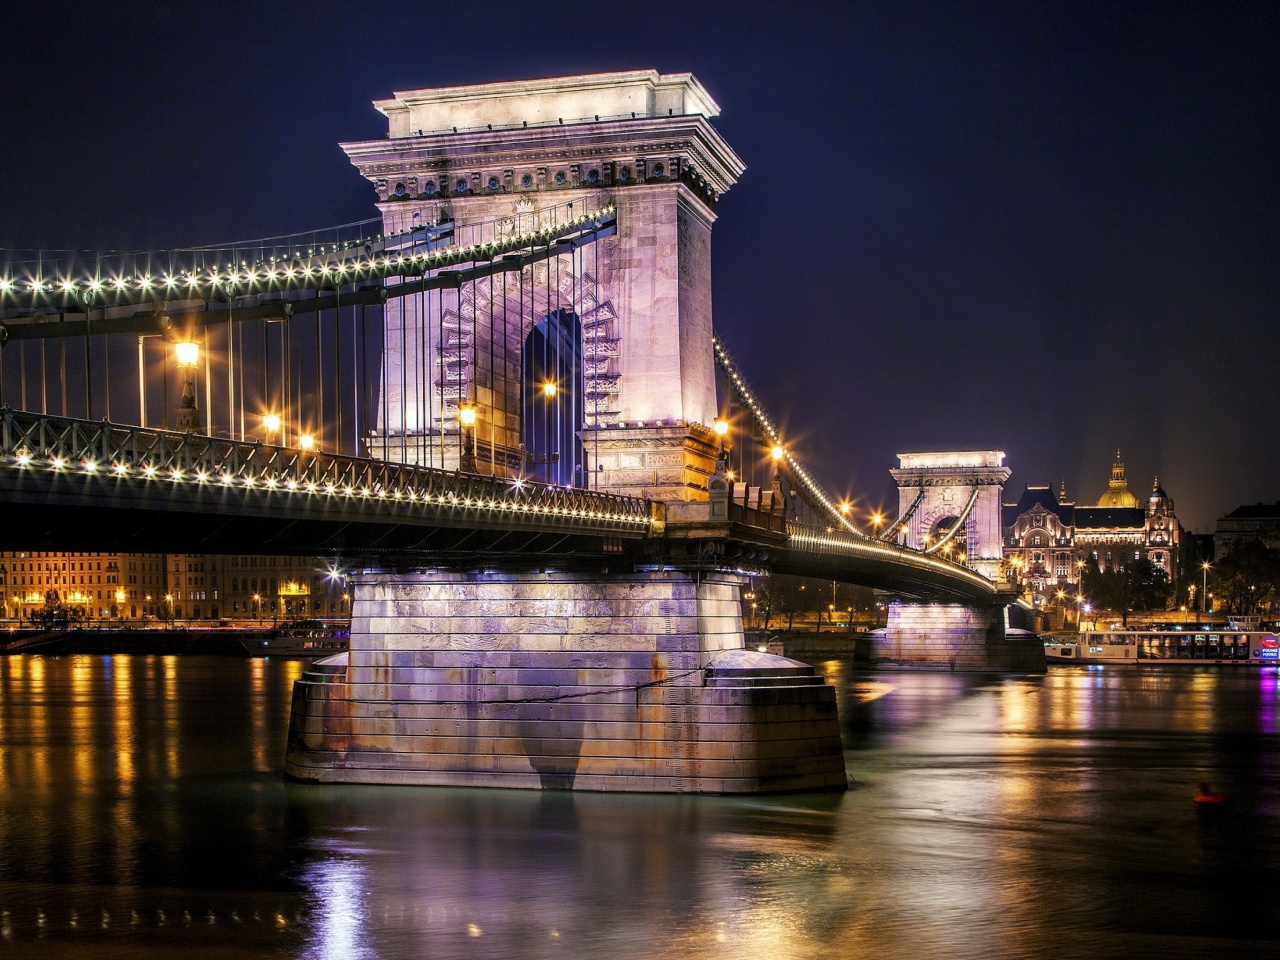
[{"x": 1117, "y": 494}]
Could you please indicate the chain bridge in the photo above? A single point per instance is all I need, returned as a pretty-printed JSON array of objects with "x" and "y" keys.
[{"x": 504, "y": 402}]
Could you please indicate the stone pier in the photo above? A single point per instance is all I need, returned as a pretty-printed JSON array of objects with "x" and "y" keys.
[
  {"x": 635, "y": 681},
  {"x": 957, "y": 637}
]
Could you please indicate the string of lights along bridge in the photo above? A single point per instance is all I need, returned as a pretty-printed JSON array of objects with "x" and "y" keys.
[{"x": 475, "y": 349}]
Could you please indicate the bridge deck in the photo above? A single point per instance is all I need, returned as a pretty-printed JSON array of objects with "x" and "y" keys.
[{"x": 280, "y": 498}]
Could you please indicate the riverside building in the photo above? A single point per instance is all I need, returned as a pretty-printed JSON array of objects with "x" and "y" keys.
[{"x": 1048, "y": 539}]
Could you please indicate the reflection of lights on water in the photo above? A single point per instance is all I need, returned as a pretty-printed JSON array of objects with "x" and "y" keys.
[
  {"x": 171, "y": 711},
  {"x": 257, "y": 712},
  {"x": 474, "y": 931},
  {"x": 82, "y": 719},
  {"x": 122, "y": 719},
  {"x": 1267, "y": 715},
  {"x": 870, "y": 690},
  {"x": 337, "y": 888}
]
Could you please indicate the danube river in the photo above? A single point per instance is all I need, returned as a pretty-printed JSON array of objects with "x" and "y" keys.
[{"x": 143, "y": 813}]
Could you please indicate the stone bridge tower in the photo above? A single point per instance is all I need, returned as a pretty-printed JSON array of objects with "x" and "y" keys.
[
  {"x": 937, "y": 491},
  {"x": 499, "y": 154}
]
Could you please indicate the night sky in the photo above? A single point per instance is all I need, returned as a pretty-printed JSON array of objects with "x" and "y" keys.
[{"x": 1047, "y": 228}]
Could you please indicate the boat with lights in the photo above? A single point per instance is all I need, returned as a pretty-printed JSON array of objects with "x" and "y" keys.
[
  {"x": 1219, "y": 645},
  {"x": 302, "y": 638}
]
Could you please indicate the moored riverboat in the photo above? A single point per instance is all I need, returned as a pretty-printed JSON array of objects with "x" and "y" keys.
[
  {"x": 1220, "y": 645},
  {"x": 303, "y": 638}
]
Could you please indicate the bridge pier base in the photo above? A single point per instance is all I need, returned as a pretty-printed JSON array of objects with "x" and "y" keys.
[
  {"x": 957, "y": 637},
  {"x": 634, "y": 681}
]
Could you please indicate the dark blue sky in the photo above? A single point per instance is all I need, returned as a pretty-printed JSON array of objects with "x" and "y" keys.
[{"x": 1051, "y": 228}]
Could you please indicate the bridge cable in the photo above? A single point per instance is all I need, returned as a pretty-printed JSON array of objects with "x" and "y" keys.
[
  {"x": 957, "y": 526},
  {"x": 807, "y": 484},
  {"x": 899, "y": 525}
]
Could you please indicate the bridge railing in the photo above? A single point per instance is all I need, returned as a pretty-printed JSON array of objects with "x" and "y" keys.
[
  {"x": 761, "y": 516},
  {"x": 79, "y": 288},
  {"x": 36, "y": 442}
]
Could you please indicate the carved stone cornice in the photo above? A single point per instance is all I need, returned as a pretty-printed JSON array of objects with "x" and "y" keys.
[{"x": 691, "y": 138}]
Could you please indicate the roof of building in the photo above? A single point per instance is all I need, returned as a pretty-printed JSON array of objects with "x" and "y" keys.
[
  {"x": 1259, "y": 511},
  {"x": 1033, "y": 496},
  {"x": 1105, "y": 518}
]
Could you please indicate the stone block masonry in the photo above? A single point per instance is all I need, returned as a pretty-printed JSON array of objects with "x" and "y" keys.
[
  {"x": 956, "y": 637},
  {"x": 635, "y": 681}
]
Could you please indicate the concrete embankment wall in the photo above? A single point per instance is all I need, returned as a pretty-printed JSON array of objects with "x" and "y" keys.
[{"x": 628, "y": 682}]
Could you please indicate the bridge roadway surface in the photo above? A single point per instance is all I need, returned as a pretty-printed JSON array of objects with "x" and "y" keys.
[{"x": 81, "y": 485}]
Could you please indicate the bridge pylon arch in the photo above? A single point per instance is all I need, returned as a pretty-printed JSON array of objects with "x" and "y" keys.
[
  {"x": 494, "y": 159},
  {"x": 943, "y": 489}
]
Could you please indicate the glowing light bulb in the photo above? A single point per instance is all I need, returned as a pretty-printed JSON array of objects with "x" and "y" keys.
[{"x": 188, "y": 353}]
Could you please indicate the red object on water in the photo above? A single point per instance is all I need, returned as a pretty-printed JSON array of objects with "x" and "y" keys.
[{"x": 1206, "y": 794}]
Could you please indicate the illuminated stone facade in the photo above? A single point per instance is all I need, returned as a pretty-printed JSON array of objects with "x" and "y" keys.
[
  {"x": 504, "y": 158},
  {"x": 938, "y": 491},
  {"x": 569, "y": 681},
  {"x": 1050, "y": 538},
  {"x": 99, "y": 586},
  {"x": 139, "y": 587},
  {"x": 581, "y": 678}
]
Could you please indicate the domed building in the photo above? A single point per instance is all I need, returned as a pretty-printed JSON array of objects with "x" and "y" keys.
[
  {"x": 1051, "y": 539},
  {"x": 1117, "y": 494}
]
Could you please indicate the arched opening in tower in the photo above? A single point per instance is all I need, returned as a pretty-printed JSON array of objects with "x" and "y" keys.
[
  {"x": 553, "y": 398},
  {"x": 958, "y": 544}
]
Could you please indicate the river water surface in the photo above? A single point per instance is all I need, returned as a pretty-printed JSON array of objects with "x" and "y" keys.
[{"x": 143, "y": 813}]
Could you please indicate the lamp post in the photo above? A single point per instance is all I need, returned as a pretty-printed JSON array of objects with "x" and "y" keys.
[
  {"x": 1204, "y": 588},
  {"x": 271, "y": 424},
  {"x": 257, "y": 604},
  {"x": 467, "y": 420},
  {"x": 188, "y": 353},
  {"x": 777, "y": 453},
  {"x": 307, "y": 442}
]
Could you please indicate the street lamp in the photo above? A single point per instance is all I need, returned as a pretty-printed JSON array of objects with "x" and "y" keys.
[
  {"x": 188, "y": 354},
  {"x": 271, "y": 423},
  {"x": 1204, "y": 589},
  {"x": 307, "y": 442},
  {"x": 877, "y": 519},
  {"x": 721, "y": 427},
  {"x": 467, "y": 420},
  {"x": 257, "y": 602},
  {"x": 549, "y": 389}
]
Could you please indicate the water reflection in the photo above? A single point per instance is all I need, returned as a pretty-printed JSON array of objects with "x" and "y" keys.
[{"x": 143, "y": 808}]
